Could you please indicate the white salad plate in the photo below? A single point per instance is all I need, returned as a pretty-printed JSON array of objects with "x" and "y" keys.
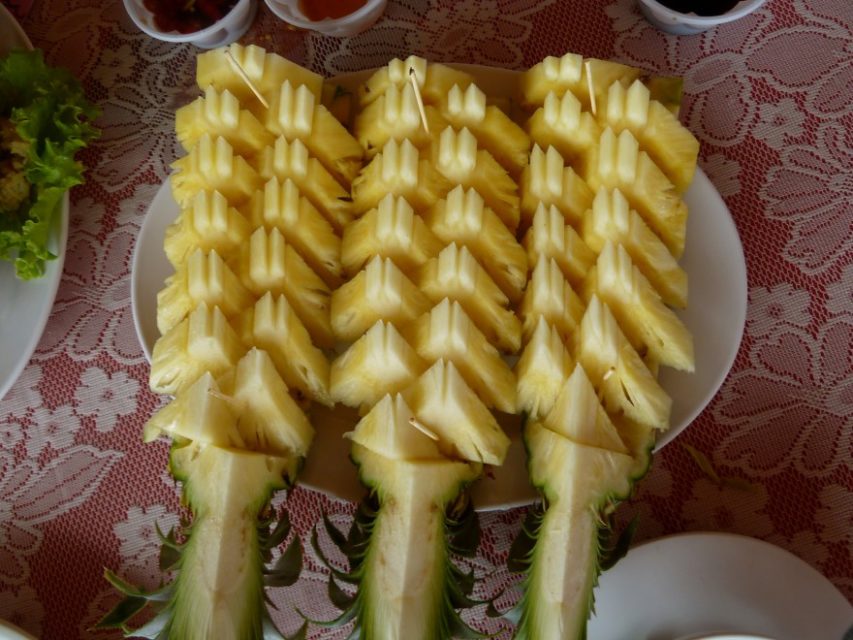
[
  {"x": 716, "y": 269},
  {"x": 716, "y": 585},
  {"x": 25, "y": 305},
  {"x": 8, "y": 631}
]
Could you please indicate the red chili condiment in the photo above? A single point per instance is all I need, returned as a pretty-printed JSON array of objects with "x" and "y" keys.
[
  {"x": 187, "y": 16},
  {"x": 700, "y": 7},
  {"x": 316, "y": 10}
]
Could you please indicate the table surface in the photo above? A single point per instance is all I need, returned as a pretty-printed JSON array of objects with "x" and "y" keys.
[{"x": 770, "y": 99}]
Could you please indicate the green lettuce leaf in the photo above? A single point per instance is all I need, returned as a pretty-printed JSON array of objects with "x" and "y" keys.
[{"x": 51, "y": 115}]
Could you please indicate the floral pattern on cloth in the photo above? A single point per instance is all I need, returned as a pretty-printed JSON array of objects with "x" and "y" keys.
[{"x": 768, "y": 96}]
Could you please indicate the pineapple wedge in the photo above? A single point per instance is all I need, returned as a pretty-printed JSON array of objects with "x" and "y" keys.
[
  {"x": 204, "y": 277},
  {"x": 463, "y": 218},
  {"x": 551, "y": 237},
  {"x": 212, "y": 164},
  {"x": 269, "y": 420},
  {"x": 219, "y": 114},
  {"x": 281, "y": 206},
  {"x": 447, "y": 407},
  {"x": 494, "y": 130},
  {"x": 569, "y": 73},
  {"x": 201, "y": 413},
  {"x": 391, "y": 230},
  {"x": 396, "y": 115},
  {"x": 266, "y": 70},
  {"x": 669, "y": 144},
  {"x": 273, "y": 325},
  {"x": 550, "y": 296},
  {"x": 434, "y": 80},
  {"x": 269, "y": 264},
  {"x": 626, "y": 384},
  {"x": 209, "y": 223},
  {"x": 379, "y": 362},
  {"x": 544, "y": 365},
  {"x": 611, "y": 218},
  {"x": 546, "y": 180},
  {"x": 295, "y": 113},
  {"x": 380, "y": 291},
  {"x": 290, "y": 160},
  {"x": 457, "y": 158},
  {"x": 203, "y": 341},
  {"x": 399, "y": 170},
  {"x": 561, "y": 123},
  {"x": 647, "y": 322},
  {"x": 457, "y": 275},
  {"x": 447, "y": 332},
  {"x": 388, "y": 430},
  {"x": 619, "y": 163}
]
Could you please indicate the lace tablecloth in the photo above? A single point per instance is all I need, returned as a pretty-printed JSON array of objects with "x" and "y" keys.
[{"x": 769, "y": 97}]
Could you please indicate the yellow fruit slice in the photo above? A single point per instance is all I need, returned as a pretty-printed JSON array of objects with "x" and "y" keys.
[
  {"x": 669, "y": 143},
  {"x": 457, "y": 275},
  {"x": 396, "y": 115},
  {"x": 626, "y": 384},
  {"x": 391, "y": 230},
  {"x": 212, "y": 165},
  {"x": 494, "y": 130},
  {"x": 203, "y": 341},
  {"x": 295, "y": 113},
  {"x": 273, "y": 325},
  {"x": 291, "y": 160},
  {"x": 547, "y": 180},
  {"x": 400, "y": 171},
  {"x": 447, "y": 407},
  {"x": 379, "y": 362},
  {"x": 561, "y": 123},
  {"x": 551, "y": 237},
  {"x": 207, "y": 224},
  {"x": 220, "y": 114},
  {"x": 204, "y": 277},
  {"x": 268, "y": 263},
  {"x": 389, "y": 431},
  {"x": 282, "y": 206},
  {"x": 447, "y": 332},
  {"x": 611, "y": 218},
  {"x": 647, "y": 322},
  {"x": 266, "y": 70},
  {"x": 544, "y": 365},
  {"x": 379, "y": 292},
  {"x": 618, "y": 163},
  {"x": 458, "y": 159},
  {"x": 462, "y": 217},
  {"x": 550, "y": 296}
]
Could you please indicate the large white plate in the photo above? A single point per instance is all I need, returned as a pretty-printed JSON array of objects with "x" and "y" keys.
[
  {"x": 25, "y": 306},
  {"x": 713, "y": 259},
  {"x": 704, "y": 583}
]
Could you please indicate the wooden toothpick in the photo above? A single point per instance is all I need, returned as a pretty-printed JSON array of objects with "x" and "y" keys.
[
  {"x": 589, "y": 86},
  {"x": 413, "y": 76},
  {"x": 423, "y": 429},
  {"x": 245, "y": 77}
]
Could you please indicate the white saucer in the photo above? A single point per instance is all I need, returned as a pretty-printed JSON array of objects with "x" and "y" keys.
[{"x": 715, "y": 583}]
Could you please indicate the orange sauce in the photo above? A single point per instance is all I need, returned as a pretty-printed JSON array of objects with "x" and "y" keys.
[{"x": 320, "y": 9}]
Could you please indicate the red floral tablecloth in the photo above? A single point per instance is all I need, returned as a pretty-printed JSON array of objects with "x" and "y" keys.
[{"x": 770, "y": 98}]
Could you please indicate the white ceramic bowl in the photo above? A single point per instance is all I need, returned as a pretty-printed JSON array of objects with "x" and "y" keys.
[
  {"x": 672, "y": 21},
  {"x": 349, "y": 25},
  {"x": 220, "y": 33}
]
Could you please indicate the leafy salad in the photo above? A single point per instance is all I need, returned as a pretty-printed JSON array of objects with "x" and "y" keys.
[{"x": 44, "y": 120}]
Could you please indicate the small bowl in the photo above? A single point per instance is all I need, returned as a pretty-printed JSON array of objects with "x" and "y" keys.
[
  {"x": 359, "y": 20},
  {"x": 681, "y": 24},
  {"x": 222, "y": 32}
]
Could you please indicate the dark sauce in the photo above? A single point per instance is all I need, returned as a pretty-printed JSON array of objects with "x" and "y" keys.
[
  {"x": 316, "y": 10},
  {"x": 187, "y": 16},
  {"x": 700, "y": 7}
]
